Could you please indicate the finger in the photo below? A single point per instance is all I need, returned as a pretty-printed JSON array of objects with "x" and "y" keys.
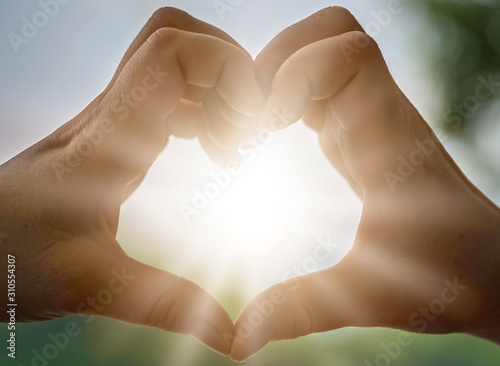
[
  {"x": 215, "y": 152},
  {"x": 361, "y": 291},
  {"x": 169, "y": 17},
  {"x": 190, "y": 120},
  {"x": 318, "y": 72},
  {"x": 175, "y": 18},
  {"x": 136, "y": 293},
  {"x": 323, "y": 24},
  {"x": 317, "y": 115},
  {"x": 328, "y": 139},
  {"x": 188, "y": 117},
  {"x": 316, "y": 302},
  {"x": 320, "y": 118},
  {"x": 225, "y": 126},
  {"x": 149, "y": 89},
  {"x": 364, "y": 99}
]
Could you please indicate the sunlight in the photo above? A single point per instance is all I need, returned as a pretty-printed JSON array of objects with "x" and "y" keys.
[
  {"x": 251, "y": 212},
  {"x": 249, "y": 218},
  {"x": 264, "y": 222}
]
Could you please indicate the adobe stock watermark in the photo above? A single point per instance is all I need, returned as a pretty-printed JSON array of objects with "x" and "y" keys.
[
  {"x": 223, "y": 6},
  {"x": 379, "y": 20},
  {"x": 31, "y": 26},
  {"x": 407, "y": 166},
  {"x": 265, "y": 308},
  {"x": 454, "y": 117},
  {"x": 87, "y": 144},
  {"x": 220, "y": 180},
  {"x": 484, "y": 90},
  {"x": 419, "y": 321},
  {"x": 57, "y": 342},
  {"x": 427, "y": 314}
]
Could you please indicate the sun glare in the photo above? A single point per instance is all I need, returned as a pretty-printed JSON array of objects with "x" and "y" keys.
[{"x": 250, "y": 211}]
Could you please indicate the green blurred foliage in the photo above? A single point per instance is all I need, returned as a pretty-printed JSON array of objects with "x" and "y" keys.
[
  {"x": 464, "y": 42},
  {"x": 105, "y": 342}
]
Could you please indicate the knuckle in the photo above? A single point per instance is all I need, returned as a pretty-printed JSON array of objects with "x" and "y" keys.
[
  {"x": 234, "y": 57},
  {"x": 240, "y": 56},
  {"x": 337, "y": 11},
  {"x": 169, "y": 15},
  {"x": 363, "y": 42},
  {"x": 294, "y": 64},
  {"x": 334, "y": 15},
  {"x": 163, "y": 35}
]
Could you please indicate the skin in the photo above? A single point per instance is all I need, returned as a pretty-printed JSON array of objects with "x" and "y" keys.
[
  {"x": 417, "y": 239},
  {"x": 61, "y": 223},
  {"x": 431, "y": 237}
]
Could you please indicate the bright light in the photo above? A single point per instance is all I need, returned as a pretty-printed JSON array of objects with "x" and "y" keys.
[
  {"x": 252, "y": 226},
  {"x": 251, "y": 211}
]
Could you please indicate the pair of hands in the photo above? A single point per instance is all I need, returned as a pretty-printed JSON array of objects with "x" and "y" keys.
[{"x": 422, "y": 231}]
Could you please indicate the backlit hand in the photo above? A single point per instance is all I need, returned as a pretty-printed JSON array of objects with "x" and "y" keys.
[
  {"x": 426, "y": 253},
  {"x": 60, "y": 199}
]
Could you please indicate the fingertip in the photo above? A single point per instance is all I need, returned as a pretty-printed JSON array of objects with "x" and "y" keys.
[
  {"x": 210, "y": 322},
  {"x": 248, "y": 339},
  {"x": 240, "y": 353},
  {"x": 214, "y": 338},
  {"x": 236, "y": 356}
]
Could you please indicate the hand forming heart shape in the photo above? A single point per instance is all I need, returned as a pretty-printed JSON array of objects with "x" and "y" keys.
[{"x": 60, "y": 199}]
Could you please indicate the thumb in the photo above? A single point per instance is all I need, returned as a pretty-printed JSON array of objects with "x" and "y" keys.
[
  {"x": 354, "y": 292},
  {"x": 302, "y": 305},
  {"x": 137, "y": 293}
]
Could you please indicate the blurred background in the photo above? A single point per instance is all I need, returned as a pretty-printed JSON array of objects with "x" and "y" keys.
[{"x": 287, "y": 200}]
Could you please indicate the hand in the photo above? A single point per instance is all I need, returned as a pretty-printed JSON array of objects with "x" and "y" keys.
[
  {"x": 60, "y": 199},
  {"x": 425, "y": 257}
]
